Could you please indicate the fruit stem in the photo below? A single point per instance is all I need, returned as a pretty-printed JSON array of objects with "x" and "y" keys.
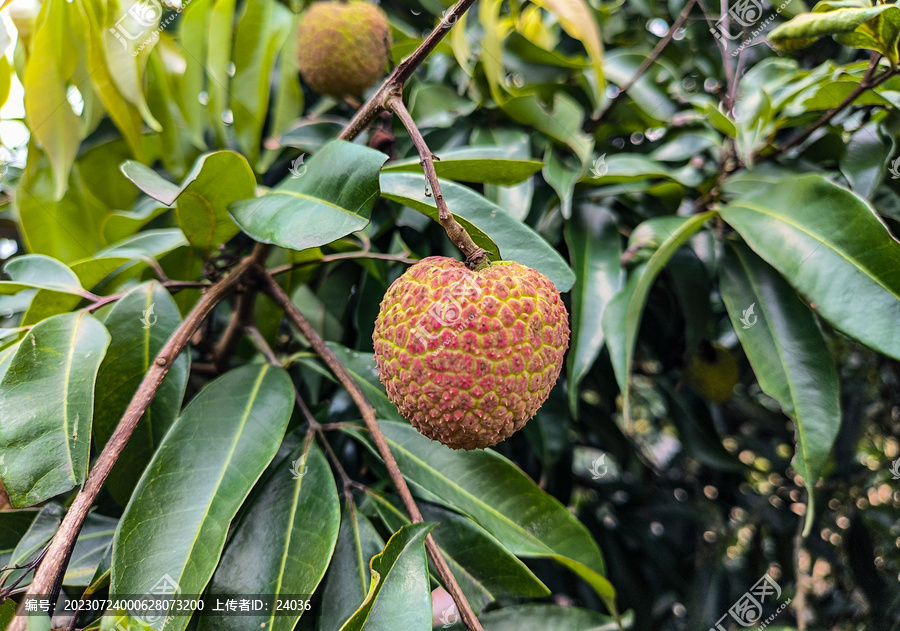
[{"x": 476, "y": 257}]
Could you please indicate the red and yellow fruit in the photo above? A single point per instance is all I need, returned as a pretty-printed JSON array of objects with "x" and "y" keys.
[{"x": 469, "y": 356}]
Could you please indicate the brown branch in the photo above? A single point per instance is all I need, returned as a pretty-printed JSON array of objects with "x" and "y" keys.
[
  {"x": 476, "y": 257},
  {"x": 48, "y": 577},
  {"x": 240, "y": 318},
  {"x": 344, "y": 256},
  {"x": 592, "y": 124},
  {"x": 868, "y": 82},
  {"x": 276, "y": 293},
  {"x": 404, "y": 70}
]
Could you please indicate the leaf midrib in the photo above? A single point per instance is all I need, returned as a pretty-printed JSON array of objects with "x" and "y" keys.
[
  {"x": 821, "y": 241},
  {"x": 250, "y": 401}
]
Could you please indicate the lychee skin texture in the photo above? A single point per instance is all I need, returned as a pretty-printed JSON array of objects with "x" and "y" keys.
[
  {"x": 343, "y": 47},
  {"x": 469, "y": 356}
]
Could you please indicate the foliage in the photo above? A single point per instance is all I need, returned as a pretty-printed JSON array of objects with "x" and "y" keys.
[{"x": 711, "y": 191}]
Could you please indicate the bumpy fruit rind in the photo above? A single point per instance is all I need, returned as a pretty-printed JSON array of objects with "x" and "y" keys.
[
  {"x": 469, "y": 356},
  {"x": 344, "y": 48}
]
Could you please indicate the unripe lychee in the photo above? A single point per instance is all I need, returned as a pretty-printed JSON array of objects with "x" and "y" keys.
[
  {"x": 343, "y": 47},
  {"x": 469, "y": 356},
  {"x": 713, "y": 372}
]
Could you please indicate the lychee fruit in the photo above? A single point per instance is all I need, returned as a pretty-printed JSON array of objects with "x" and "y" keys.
[
  {"x": 469, "y": 356},
  {"x": 344, "y": 47},
  {"x": 712, "y": 372}
]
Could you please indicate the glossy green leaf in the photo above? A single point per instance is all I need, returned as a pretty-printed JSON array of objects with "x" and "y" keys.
[
  {"x": 46, "y": 404},
  {"x": 67, "y": 229},
  {"x": 874, "y": 27},
  {"x": 139, "y": 325},
  {"x": 528, "y": 617},
  {"x": 348, "y": 577},
  {"x": 176, "y": 522},
  {"x": 124, "y": 113},
  {"x": 192, "y": 37},
  {"x": 788, "y": 354},
  {"x": 219, "y": 39},
  {"x": 362, "y": 367},
  {"x": 47, "y": 110},
  {"x": 491, "y": 165},
  {"x": 327, "y": 198},
  {"x": 216, "y": 180},
  {"x": 485, "y": 570},
  {"x": 622, "y": 316},
  {"x": 283, "y": 543},
  {"x": 562, "y": 174},
  {"x": 399, "y": 596},
  {"x": 824, "y": 239},
  {"x": 502, "y": 500},
  {"x": 577, "y": 19},
  {"x": 515, "y": 240},
  {"x": 595, "y": 249},
  {"x": 43, "y": 526},
  {"x": 261, "y": 30},
  {"x": 36, "y": 271}
]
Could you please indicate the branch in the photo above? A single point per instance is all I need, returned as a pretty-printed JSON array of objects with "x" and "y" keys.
[
  {"x": 476, "y": 257},
  {"x": 370, "y": 109},
  {"x": 276, "y": 293},
  {"x": 47, "y": 579},
  {"x": 345, "y": 256},
  {"x": 868, "y": 82},
  {"x": 591, "y": 125},
  {"x": 240, "y": 318}
]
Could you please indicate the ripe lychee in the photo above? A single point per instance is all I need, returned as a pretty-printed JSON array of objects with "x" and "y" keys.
[
  {"x": 469, "y": 356},
  {"x": 344, "y": 47}
]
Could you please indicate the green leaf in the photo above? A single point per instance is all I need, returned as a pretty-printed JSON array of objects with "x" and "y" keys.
[
  {"x": 788, "y": 354},
  {"x": 874, "y": 28},
  {"x": 823, "y": 239},
  {"x": 595, "y": 249},
  {"x": 216, "y": 180},
  {"x": 562, "y": 174},
  {"x": 515, "y": 240},
  {"x": 139, "y": 325},
  {"x": 331, "y": 198},
  {"x": 576, "y": 17},
  {"x": 46, "y": 404},
  {"x": 124, "y": 113},
  {"x": 347, "y": 581},
  {"x": 522, "y": 617},
  {"x": 399, "y": 596},
  {"x": 362, "y": 367},
  {"x": 50, "y": 66},
  {"x": 622, "y": 317},
  {"x": 219, "y": 38},
  {"x": 67, "y": 229},
  {"x": 39, "y": 272},
  {"x": 502, "y": 500},
  {"x": 283, "y": 543},
  {"x": 485, "y": 570},
  {"x": 175, "y": 525},
  {"x": 491, "y": 165},
  {"x": 192, "y": 37},
  {"x": 42, "y": 528},
  {"x": 261, "y": 30},
  {"x": 92, "y": 544}
]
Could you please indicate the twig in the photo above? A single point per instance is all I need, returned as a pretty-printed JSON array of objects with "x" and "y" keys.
[
  {"x": 276, "y": 293},
  {"x": 370, "y": 109},
  {"x": 240, "y": 317},
  {"x": 868, "y": 82},
  {"x": 344, "y": 256},
  {"x": 48, "y": 576},
  {"x": 476, "y": 257},
  {"x": 591, "y": 125}
]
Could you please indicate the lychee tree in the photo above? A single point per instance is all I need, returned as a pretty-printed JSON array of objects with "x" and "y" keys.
[{"x": 519, "y": 315}]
